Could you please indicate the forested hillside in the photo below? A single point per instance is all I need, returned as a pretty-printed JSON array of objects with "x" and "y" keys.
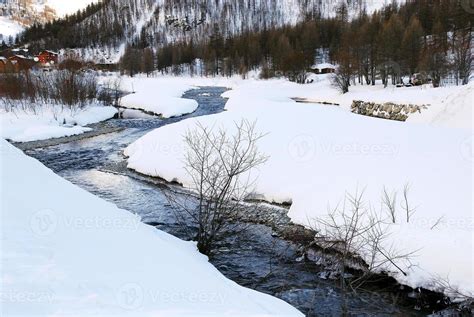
[
  {"x": 280, "y": 37},
  {"x": 105, "y": 27},
  {"x": 429, "y": 37}
]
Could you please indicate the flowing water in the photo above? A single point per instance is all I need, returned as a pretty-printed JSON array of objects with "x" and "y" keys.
[{"x": 257, "y": 258}]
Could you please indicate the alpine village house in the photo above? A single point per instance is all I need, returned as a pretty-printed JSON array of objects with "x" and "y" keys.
[{"x": 16, "y": 60}]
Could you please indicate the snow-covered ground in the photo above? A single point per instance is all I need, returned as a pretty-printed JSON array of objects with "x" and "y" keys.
[
  {"x": 50, "y": 122},
  {"x": 66, "y": 252},
  {"x": 448, "y": 106},
  {"x": 158, "y": 95},
  {"x": 319, "y": 153}
]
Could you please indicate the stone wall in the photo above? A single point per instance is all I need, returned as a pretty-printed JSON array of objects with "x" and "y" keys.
[{"x": 388, "y": 110}]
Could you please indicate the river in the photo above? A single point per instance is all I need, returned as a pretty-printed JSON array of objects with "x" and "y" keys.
[{"x": 258, "y": 258}]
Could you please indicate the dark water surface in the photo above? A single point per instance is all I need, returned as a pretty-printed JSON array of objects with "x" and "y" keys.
[{"x": 257, "y": 258}]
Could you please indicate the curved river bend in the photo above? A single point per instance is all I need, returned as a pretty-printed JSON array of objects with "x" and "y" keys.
[{"x": 257, "y": 258}]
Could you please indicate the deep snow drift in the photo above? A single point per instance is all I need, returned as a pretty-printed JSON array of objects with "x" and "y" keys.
[
  {"x": 50, "y": 122},
  {"x": 157, "y": 95},
  {"x": 319, "y": 153},
  {"x": 66, "y": 252}
]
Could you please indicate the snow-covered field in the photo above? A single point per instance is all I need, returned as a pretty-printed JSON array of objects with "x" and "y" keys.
[
  {"x": 319, "y": 153},
  {"x": 157, "y": 95},
  {"x": 66, "y": 252},
  {"x": 447, "y": 106},
  {"x": 50, "y": 122}
]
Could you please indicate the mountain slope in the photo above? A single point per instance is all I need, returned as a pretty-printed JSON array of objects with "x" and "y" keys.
[
  {"x": 8, "y": 28},
  {"x": 105, "y": 31},
  {"x": 16, "y": 15},
  {"x": 64, "y": 8}
]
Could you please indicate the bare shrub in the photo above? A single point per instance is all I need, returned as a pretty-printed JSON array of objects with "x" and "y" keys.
[
  {"x": 390, "y": 202},
  {"x": 71, "y": 64},
  {"x": 220, "y": 167},
  {"x": 353, "y": 230},
  {"x": 17, "y": 91},
  {"x": 341, "y": 79},
  {"x": 111, "y": 93},
  {"x": 444, "y": 285},
  {"x": 12, "y": 86},
  {"x": 409, "y": 210},
  {"x": 73, "y": 89},
  {"x": 28, "y": 90}
]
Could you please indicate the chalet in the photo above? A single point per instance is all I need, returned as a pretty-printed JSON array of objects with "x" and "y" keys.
[
  {"x": 3, "y": 64},
  {"x": 324, "y": 68},
  {"x": 48, "y": 57},
  {"x": 21, "y": 62}
]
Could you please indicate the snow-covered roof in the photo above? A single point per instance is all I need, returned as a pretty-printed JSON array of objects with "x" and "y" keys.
[
  {"x": 20, "y": 56},
  {"x": 50, "y": 52},
  {"x": 324, "y": 66}
]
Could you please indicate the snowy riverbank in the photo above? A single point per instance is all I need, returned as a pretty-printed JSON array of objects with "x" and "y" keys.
[
  {"x": 157, "y": 95},
  {"x": 50, "y": 122},
  {"x": 447, "y": 106},
  {"x": 320, "y": 153},
  {"x": 68, "y": 252}
]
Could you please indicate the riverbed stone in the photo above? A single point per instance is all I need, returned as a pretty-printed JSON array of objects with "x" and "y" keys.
[{"x": 388, "y": 110}]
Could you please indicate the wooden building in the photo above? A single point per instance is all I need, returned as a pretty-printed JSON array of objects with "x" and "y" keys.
[{"x": 48, "y": 57}]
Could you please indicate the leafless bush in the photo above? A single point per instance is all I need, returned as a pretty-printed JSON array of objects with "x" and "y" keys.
[
  {"x": 11, "y": 86},
  {"x": 443, "y": 284},
  {"x": 390, "y": 202},
  {"x": 409, "y": 210},
  {"x": 71, "y": 64},
  {"x": 353, "y": 229},
  {"x": 28, "y": 90},
  {"x": 220, "y": 167},
  {"x": 111, "y": 93},
  {"x": 73, "y": 89},
  {"x": 17, "y": 91}
]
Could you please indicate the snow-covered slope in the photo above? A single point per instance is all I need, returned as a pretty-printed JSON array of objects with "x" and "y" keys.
[
  {"x": 453, "y": 110},
  {"x": 15, "y": 15},
  {"x": 8, "y": 28},
  {"x": 66, "y": 252},
  {"x": 65, "y": 7}
]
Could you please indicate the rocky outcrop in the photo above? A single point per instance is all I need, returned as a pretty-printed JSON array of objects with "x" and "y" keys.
[{"x": 388, "y": 110}]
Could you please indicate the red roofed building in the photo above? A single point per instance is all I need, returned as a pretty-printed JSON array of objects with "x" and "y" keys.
[{"x": 48, "y": 57}]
